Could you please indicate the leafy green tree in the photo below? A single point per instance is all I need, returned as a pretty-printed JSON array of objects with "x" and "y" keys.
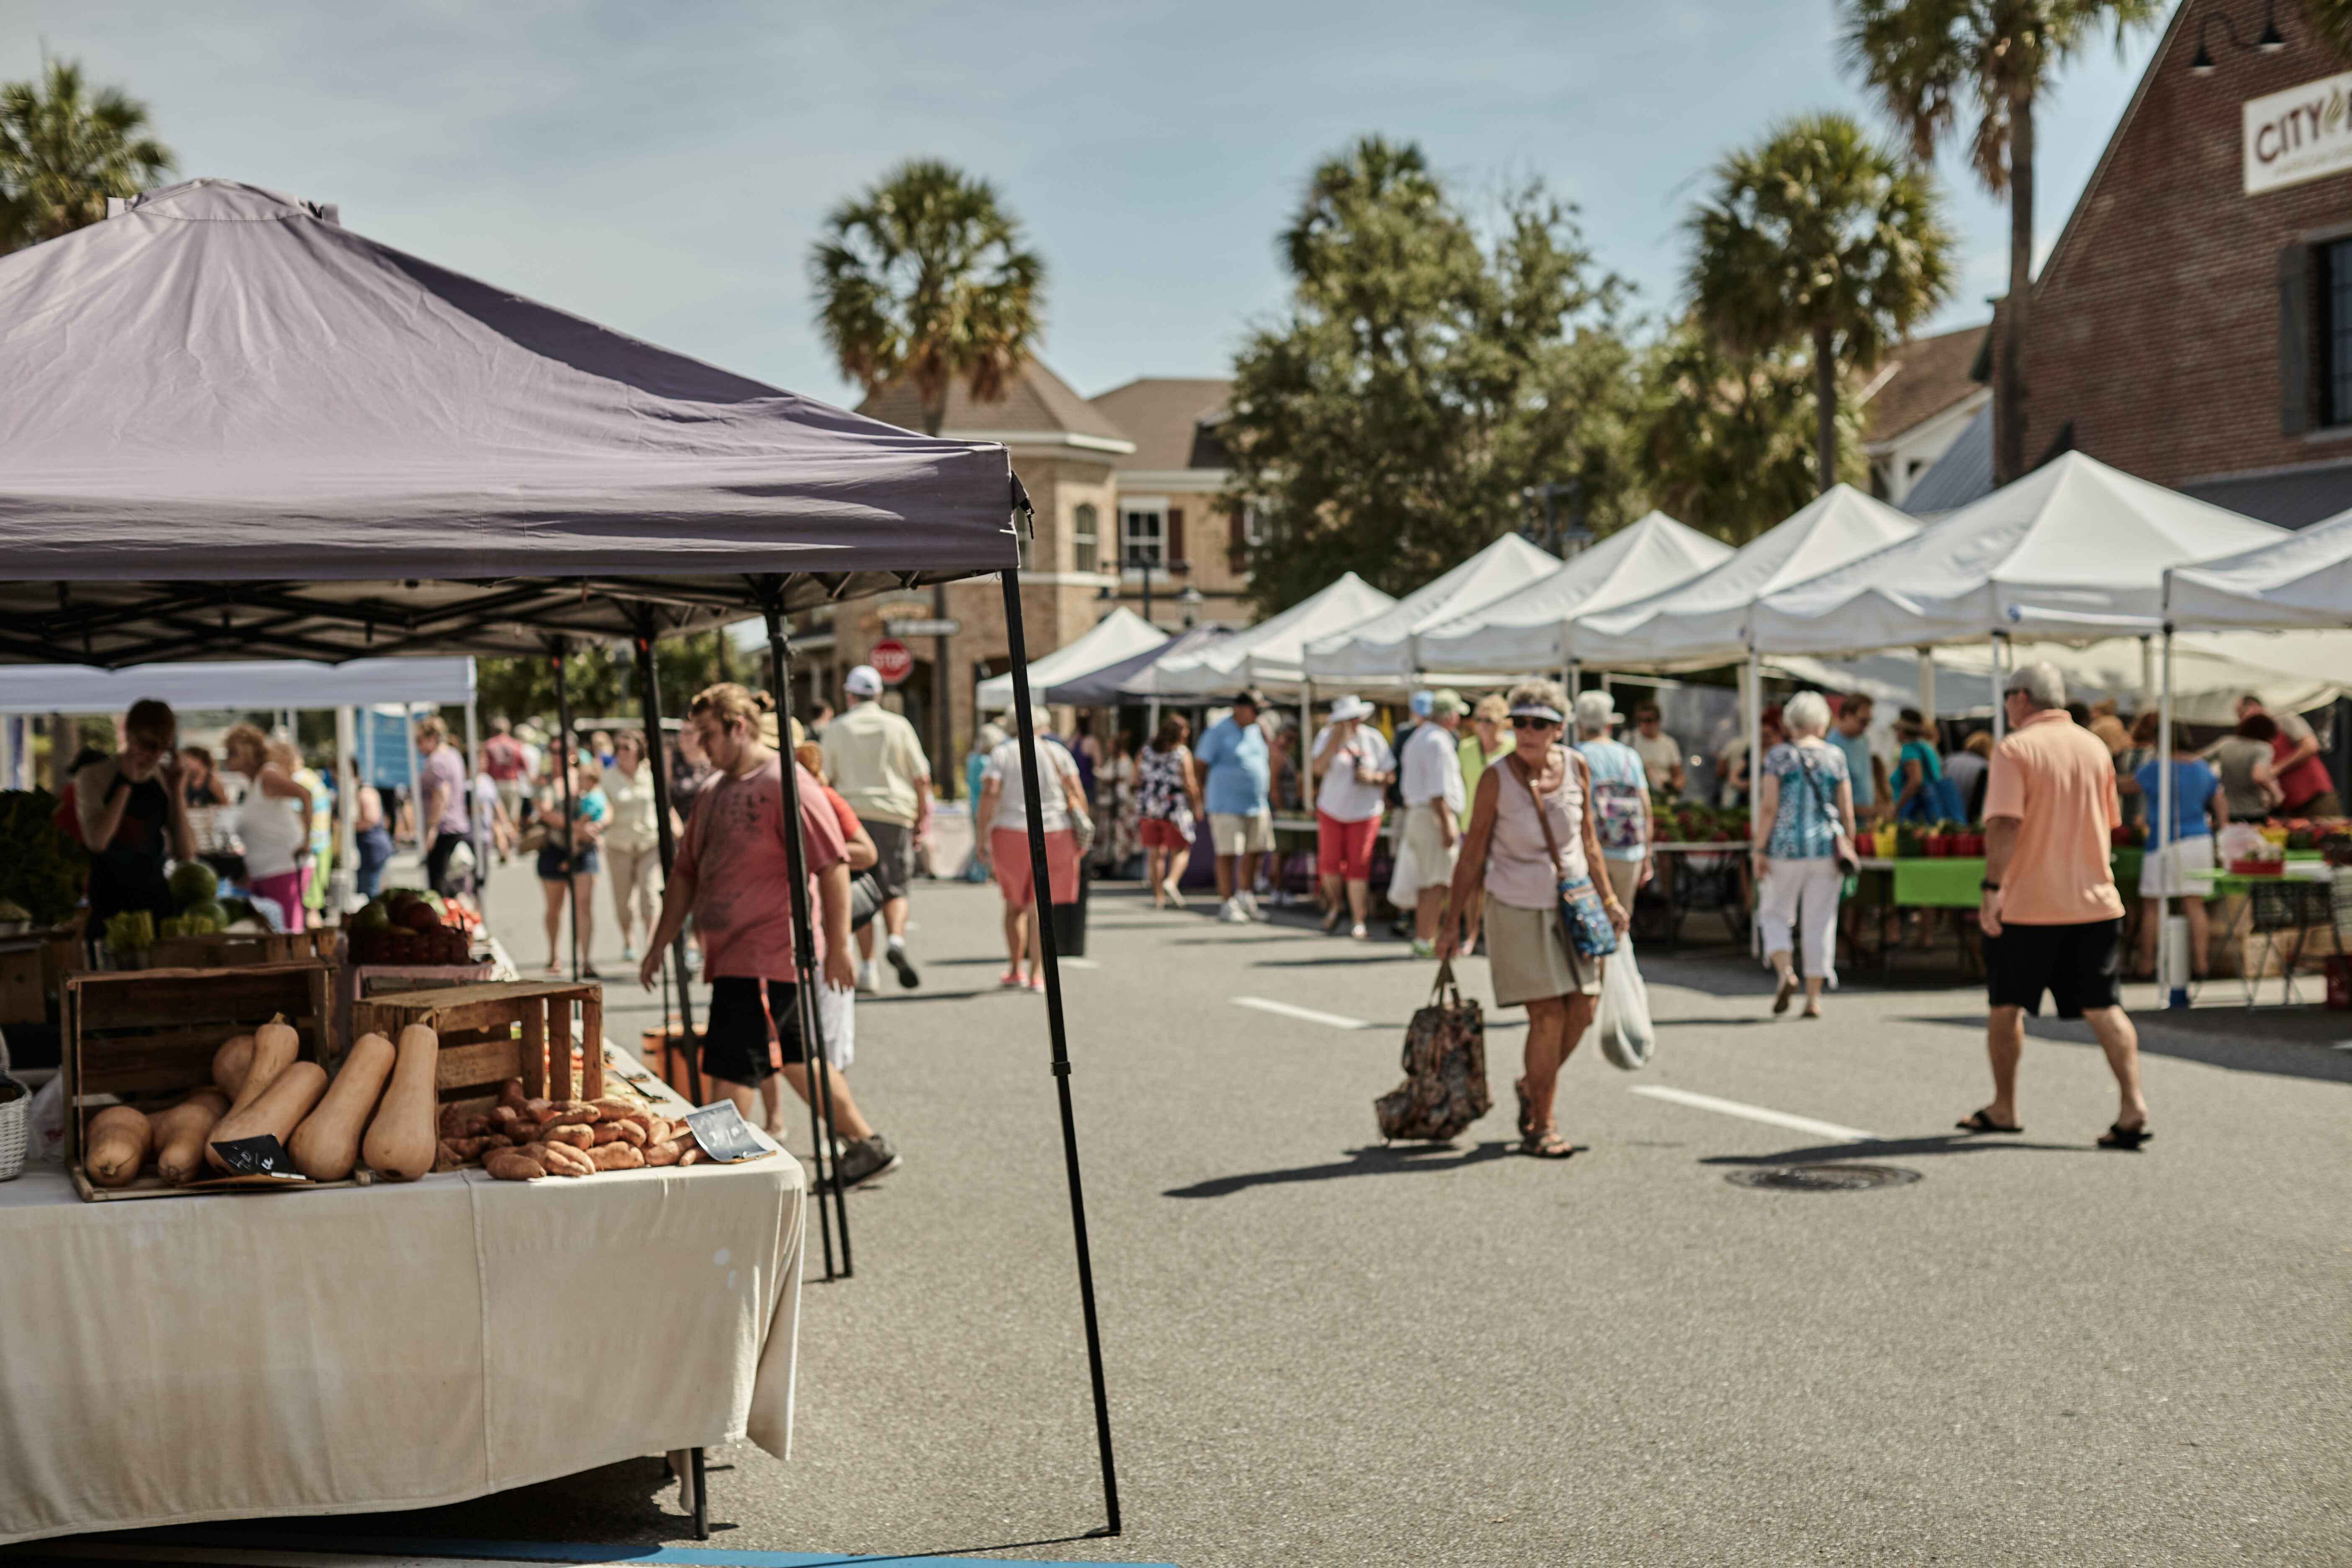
[
  {"x": 925, "y": 279},
  {"x": 1924, "y": 58},
  {"x": 64, "y": 149},
  {"x": 1424, "y": 374},
  {"x": 1727, "y": 442},
  {"x": 1817, "y": 235},
  {"x": 602, "y": 681}
]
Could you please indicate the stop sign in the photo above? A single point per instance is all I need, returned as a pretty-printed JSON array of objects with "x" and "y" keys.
[{"x": 890, "y": 660}]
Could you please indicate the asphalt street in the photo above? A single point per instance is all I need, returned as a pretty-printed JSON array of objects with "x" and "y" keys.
[{"x": 1323, "y": 1350}]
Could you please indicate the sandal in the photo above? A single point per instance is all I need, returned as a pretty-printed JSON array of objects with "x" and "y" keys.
[
  {"x": 1012, "y": 980},
  {"x": 1549, "y": 1145},
  {"x": 1781, "y": 997},
  {"x": 1331, "y": 920},
  {"x": 1527, "y": 1109},
  {"x": 1978, "y": 1121},
  {"x": 2122, "y": 1137}
]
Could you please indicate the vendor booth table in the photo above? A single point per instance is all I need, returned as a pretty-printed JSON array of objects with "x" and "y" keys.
[
  {"x": 390, "y": 1346},
  {"x": 240, "y": 430}
]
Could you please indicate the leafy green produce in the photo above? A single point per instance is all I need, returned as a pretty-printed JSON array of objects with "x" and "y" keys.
[
  {"x": 192, "y": 883},
  {"x": 133, "y": 931},
  {"x": 41, "y": 868}
]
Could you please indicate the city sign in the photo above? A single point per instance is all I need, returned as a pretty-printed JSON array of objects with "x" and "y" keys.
[
  {"x": 890, "y": 660},
  {"x": 2302, "y": 134},
  {"x": 923, "y": 626}
]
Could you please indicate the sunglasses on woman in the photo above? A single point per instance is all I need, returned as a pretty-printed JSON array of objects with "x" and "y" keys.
[{"x": 1529, "y": 722}]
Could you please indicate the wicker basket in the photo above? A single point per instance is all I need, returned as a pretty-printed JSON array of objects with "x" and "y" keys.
[{"x": 15, "y": 1119}]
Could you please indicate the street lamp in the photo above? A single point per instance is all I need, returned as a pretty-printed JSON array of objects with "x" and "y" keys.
[
  {"x": 1140, "y": 560},
  {"x": 1192, "y": 598},
  {"x": 2270, "y": 41},
  {"x": 1577, "y": 536}
]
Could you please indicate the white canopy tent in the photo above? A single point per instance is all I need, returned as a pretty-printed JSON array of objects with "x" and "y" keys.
[
  {"x": 1380, "y": 653},
  {"x": 2302, "y": 580},
  {"x": 1116, "y": 637},
  {"x": 1704, "y": 622},
  {"x": 1532, "y": 629},
  {"x": 1268, "y": 654},
  {"x": 2075, "y": 550}
]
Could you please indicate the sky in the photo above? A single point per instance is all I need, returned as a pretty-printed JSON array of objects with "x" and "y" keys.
[{"x": 664, "y": 169}]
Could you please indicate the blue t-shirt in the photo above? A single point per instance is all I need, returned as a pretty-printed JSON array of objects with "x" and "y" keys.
[
  {"x": 1239, "y": 770},
  {"x": 1856, "y": 749},
  {"x": 1620, "y": 794},
  {"x": 1806, "y": 824},
  {"x": 2194, "y": 783}
]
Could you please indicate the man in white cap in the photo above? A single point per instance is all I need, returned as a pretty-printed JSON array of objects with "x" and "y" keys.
[
  {"x": 874, "y": 759},
  {"x": 1429, "y": 770}
]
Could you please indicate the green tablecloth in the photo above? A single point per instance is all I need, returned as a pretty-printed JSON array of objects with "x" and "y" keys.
[{"x": 1953, "y": 882}]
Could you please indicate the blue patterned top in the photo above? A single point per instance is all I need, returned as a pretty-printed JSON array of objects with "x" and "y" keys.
[{"x": 1807, "y": 825}]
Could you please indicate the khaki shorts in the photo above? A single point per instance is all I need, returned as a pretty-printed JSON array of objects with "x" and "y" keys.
[
  {"x": 1251, "y": 835},
  {"x": 1432, "y": 860},
  {"x": 1529, "y": 959}
]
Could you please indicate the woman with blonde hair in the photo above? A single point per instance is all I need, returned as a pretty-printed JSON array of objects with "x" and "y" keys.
[
  {"x": 1804, "y": 802},
  {"x": 274, "y": 821},
  {"x": 632, "y": 839},
  {"x": 1533, "y": 842}
]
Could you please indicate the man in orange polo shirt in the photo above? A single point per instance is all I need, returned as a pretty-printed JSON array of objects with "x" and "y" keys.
[{"x": 2052, "y": 920}]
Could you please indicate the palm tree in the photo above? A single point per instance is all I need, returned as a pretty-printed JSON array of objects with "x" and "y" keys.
[
  {"x": 925, "y": 279},
  {"x": 65, "y": 149},
  {"x": 1820, "y": 236},
  {"x": 1921, "y": 58}
]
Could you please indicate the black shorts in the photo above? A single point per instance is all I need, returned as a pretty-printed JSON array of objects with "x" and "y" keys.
[
  {"x": 735, "y": 1040},
  {"x": 894, "y": 855},
  {"x": 2080, "y": 965}
]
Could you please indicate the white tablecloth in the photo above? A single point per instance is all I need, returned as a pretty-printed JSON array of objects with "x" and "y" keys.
[{"x": 397, "y": 1346}]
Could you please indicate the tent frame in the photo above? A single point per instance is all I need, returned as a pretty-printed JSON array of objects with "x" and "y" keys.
[{"x": 161, "y": 621}]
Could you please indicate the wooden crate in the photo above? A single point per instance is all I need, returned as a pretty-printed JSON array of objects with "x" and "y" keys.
[
  {"x": 500, "y": 1029},
  {"x": 355, "y": 981},
  {"x": 223, "y": 950},
  {"x": 146, "y": 1038}
]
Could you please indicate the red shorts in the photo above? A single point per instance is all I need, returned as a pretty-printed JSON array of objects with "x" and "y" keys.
[
  {"x": 1008, "y": 853},
  {"x": 1344, "y": 849},
  {"x": 1159, "y": 833}
]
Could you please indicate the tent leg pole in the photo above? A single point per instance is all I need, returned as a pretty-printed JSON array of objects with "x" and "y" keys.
[
  {"x": 342, "y": 885},
  {"x": 658, "y": 759},
  {"x": 2000, "y": 688},
  {"x": 564, "y": 754},
  {"x": 2174, "y": 986},
  {"x": 806, "y": 975},
  {"x": 1027, "y": 729},
  {"x": 1751, "y": 725}
]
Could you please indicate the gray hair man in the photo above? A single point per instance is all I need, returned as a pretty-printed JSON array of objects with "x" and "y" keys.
[
  {"x": 874, "y": 759},
  {"x": 1429, "y": 777},
  {"x": 2052, "y": 918}
]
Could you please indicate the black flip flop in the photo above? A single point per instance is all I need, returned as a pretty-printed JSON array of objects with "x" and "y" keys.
[
  {"x": 2122, "y": 1137},
  {"x": 1978, "y": 1121}
]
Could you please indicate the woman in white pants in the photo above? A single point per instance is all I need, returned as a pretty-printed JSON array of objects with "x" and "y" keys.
[{"x": 1804, "y": 800}]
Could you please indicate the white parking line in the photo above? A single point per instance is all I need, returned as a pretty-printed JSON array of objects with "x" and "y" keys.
[
  {"x": 1078, "y": 963},
  {"x": 1757, "y": 1113},
  {"x": 1304, "y": 1015}
]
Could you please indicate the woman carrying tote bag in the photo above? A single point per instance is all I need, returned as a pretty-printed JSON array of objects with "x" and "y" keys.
[{"x": 1534, "y": 846}]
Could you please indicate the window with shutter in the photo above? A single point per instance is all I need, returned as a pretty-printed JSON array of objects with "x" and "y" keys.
[
  {"x": 1084, "y": 536},
  {"x": 1237, "y": 544},
  {"x": 2294, "y": 338},
  {"x": 1176, "y": 535},
  {"x": 2335, "y": 282}
]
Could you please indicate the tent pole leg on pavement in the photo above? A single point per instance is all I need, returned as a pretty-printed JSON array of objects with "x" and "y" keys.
[
  {"x": 1027, "y": 729},
  {"x": 2000, "y": 688},
  {"x": 1928, "y": 687},
  {"x": 2147, "y": 670},
  {"x": 1751, "y": 728},
  {"x": 657, "y": 760},
  {"x": 342, "y": 885},
  {"x": 2174, "y": 986},
  {"x": 415, "y": 780},
  {"x": 564, "y": 753},
  {"x": 807, "y": 975}
]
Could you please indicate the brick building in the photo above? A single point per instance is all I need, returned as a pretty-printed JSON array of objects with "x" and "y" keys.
[
  {"x": 1126, "y": 488},
  {"x": 2193, "y": 320}
]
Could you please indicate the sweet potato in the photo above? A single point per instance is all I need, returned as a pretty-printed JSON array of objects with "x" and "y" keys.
[
  {"x": 445, "y": 1157},
  {"x": 617, "y": 1157},
  {"x": 559, "y": 1159},
  {"x": 511, "y": 1095},
  {"x": 513, "y": 1165},
  {"x": 693, "y": 1156},
  {"x": 537, "y": 1109},
  {"x": 631, "y": 1133},
  {"x": 663, "y": 1153},
  {"x": 508, "y": 1118},
  {"x": 496, "y": 1141},
  {"x": 573, "y": 1113},
  {"x": 577, "y": 1136}
]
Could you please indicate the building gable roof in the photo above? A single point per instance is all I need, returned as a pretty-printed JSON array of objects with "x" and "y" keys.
[
  {"x": 1037, "y": 403},
  {"x": 1170, "y": 419},
  {"x": 1920, "y": 380},
  {"x": 2086, "y": 202}
]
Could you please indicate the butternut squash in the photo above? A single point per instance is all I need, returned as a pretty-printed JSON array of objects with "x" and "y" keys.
[
  {"x": 120, "y": 1138},
  {"x": 182, "y": 1132},
  {"x": 404, "y": 1136},
  {"x": 274, "y": 1047},
  {"x": 230, "y": 1063},
  {"x": 277, "y": 1110},
  {"x": 327, "y": 1144}
]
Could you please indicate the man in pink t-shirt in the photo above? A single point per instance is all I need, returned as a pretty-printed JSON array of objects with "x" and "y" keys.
[
  {"x": 730, "y": 874},
  {"x": 2052, "y": 918}
]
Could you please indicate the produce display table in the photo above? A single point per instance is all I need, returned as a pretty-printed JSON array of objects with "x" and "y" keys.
[
  {"x": 2283, "y": 911},
  {"x": 385, "y": 1347},
  {"x": 1687, "y": 877}
]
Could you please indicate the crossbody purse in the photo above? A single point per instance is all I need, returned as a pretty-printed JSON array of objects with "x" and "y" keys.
[
  {"x": 1841, "y": 844},
  {"x": 1581, "y": 913}
]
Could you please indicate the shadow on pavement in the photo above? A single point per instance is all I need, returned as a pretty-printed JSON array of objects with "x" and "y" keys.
[
  {"x": 2288, "y": 1042},
  {"x": 1369, "y": 1161},
  {"x": 1340, "y": 961},
  {"x": 897, "y": 997},
  {"x": 1943, "y": 1143}
]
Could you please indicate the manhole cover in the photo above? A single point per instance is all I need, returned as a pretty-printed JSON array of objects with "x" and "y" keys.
[{"x": 1822, "y": 1178}]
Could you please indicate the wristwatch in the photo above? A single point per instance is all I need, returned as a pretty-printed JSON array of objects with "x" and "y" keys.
[{"x": 1989, "y": 886}]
